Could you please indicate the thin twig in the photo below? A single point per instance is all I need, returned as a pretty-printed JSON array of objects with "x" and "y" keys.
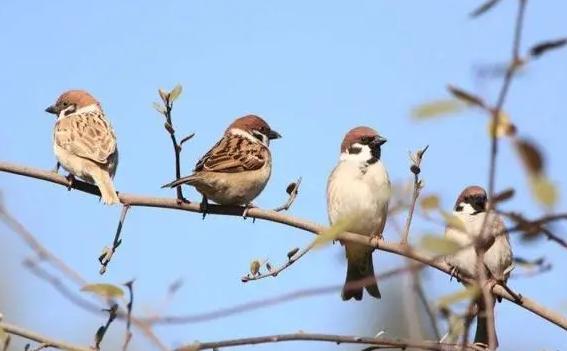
[
  {"x": 337, "y": 339},
  {"x": 46, "y": 255},
  {"x": 108, "y": 252},
  {"x": 417, "y": 185},
  {"x": 128, "y": 336},
  {"x": 101, "y": 332},
  {"x": 275, "y": 271},
  {"x": 278, "y": 217},
  {"x": 30, "y": 335},
  {"x": 496, "y": 111},
  {"x": 292, "y": 190}
]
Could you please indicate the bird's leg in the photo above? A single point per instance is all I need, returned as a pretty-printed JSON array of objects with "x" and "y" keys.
[
  {"x": 56, "y": 168},
  {"x": 245, "y": 213},
  {"x": 71, "y": 179},
  {"x": 204, "y": 206},
  {"x": 454, "y": 273}
]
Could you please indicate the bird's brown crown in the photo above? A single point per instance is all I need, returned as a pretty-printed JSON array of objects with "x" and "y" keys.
[
  {"x": 80, "y": 98},
  {"x": 356, "y": 135},
  {"x": 470, "y": 193},
  {"x": 249, "y": 123}
]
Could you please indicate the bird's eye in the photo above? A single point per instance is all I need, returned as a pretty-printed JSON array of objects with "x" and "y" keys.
[
  {"x": 366, "y": 139},
  {"x": 65, "y": 104},
  {"x": 258, "y": 135}
]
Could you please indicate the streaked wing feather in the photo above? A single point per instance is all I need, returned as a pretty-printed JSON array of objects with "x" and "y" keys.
[
  {"x": 233, "y": 153},
  {"x": 86, "y": 135}
]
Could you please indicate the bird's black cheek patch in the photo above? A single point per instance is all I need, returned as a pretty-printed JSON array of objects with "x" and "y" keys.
[
  {"x": 459, "y": 208},
  {"x": 353, "y": 150}
]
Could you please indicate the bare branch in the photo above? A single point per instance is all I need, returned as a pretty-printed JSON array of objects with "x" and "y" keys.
[
  {"x": 272, "y": 272},
  {"x": 337, "y": 339},
  {"x": 292, "y": 190},
  {"x": 108, "y": 252},
  {"x": 417, "y": 185},
  {"x": 128, "y": 336},
  {"x": 101, "y": 332},
  {"x": 30, "y": 335}
]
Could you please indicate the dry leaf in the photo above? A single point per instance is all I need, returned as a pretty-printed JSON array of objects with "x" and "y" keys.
[
  {"x": 174, "y": 94},
  {"x": 466, "y": 97},
  {"x": 530, "y": 155}
]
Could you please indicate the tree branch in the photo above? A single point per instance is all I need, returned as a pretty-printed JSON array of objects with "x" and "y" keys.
[
  {"x": 30, "y": 335},
  {"x": 337, "y": 339},
  {"x": 278, "y": 217}
]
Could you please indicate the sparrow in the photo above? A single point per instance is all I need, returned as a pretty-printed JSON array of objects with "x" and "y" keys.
[
  {"x": 471, "y": 209},
  {"x": 237, "y": 168},
  {"x": 84, "y": 142},
  {"x": 358, "y": 190}
]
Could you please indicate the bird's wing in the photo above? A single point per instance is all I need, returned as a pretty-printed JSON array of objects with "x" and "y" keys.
[
  {"x": 232, "y": 154},
  {"x": 86, "y": 135}
]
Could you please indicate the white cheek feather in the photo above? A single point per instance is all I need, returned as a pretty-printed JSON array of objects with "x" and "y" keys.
[
  {"x": 364, "y": 155},
  {"x": 89, "y": 108},
  {"x": 467, "y": 208},
  {"x": 252, "y": 138}
]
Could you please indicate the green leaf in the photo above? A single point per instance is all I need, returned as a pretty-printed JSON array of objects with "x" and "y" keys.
[
  {"x": 437, "y": 108},
  {"x": 174, "y": 94},
  {"x": 544, "y": 190},
  {"x": 468, "y": 293},
  {"x": 334, "y": 231},
  {"x": 453, "y": 221},
  {"x": 439, "y": 245},
  {"x": 104, "y": 290}
]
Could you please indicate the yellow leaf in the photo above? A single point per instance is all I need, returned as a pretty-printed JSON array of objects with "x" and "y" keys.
[
  {"x": 453, "y": 221},
  {"x": 439, "y": 245},
  {"x": 429, "y": 202},
  {"x": 544, "y": 190},
  {"x": 104, "y": 290},
  {"x": 504, "y": 127},
  {"x": 437, "y": 108},
  {"x": 174, "y": 94},
  {"x": 334, "y": 231},
  {"x": 469, "y": 293}
]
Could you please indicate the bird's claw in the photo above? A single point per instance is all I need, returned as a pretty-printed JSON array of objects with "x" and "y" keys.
[
  {"x": 245, "y": 212},
  {"x": 204, "y": 207},
  {"x": 71, "y": 179},
  {"x": 454, "y": 273},
  {"x": 56, "y": 168}
]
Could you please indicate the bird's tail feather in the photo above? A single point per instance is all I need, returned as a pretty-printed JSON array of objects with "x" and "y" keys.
[
  {"x": 104, "y": 182},
  {"x": 179, "y": 182},
  {"x": 360, "y": 274}
]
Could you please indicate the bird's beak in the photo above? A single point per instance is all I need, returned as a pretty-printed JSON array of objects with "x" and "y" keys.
[
  {"x": 51, "y": 109},
  {"x": 273, "y": 135},
  {"x": 379, "y": 140}
]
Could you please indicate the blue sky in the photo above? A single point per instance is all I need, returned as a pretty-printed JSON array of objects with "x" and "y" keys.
[{"x": 313, "y": 70}]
